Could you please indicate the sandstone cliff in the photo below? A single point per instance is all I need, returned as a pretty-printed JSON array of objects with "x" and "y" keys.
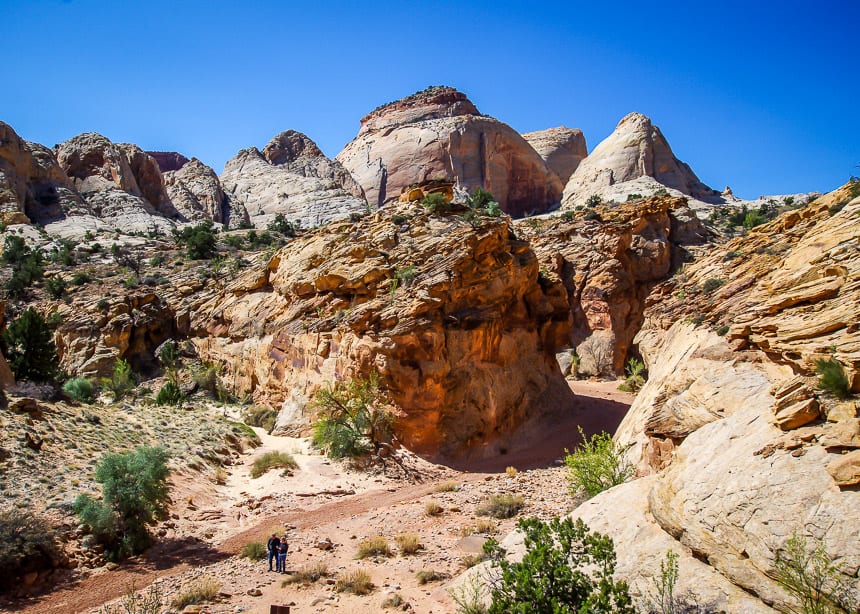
[
  {"x": 745, "y": 450},
  {"x": 195, "y": 191},
  {"x": 439, "y": 133},
  {"x": 561, "y": 148},
  {"x": 291, "y": 176},
  {"x": 634, "y": 159}
]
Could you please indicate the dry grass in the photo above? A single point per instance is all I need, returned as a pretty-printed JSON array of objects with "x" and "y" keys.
[
  {"x": 356, "y": 582},
  {"x": 433, "y": 509},
  {"x": 394, "y": 601},
  {"x": 205, "y": 589},
  {"x": 470, "y": 560},
  {"x": 430, "y": 575},
  {"x": 511, "y": 471},
  {"x": 408, "y": 543},
  {"x": 307, "y": 574},
  {"x": 446, "y": 487},
  {"x": 501, "y": 506},
  {"x": 272, "y": 460},
  {"x": 220, "y": 476},
  {"x": 373, "y": 546},
  {"x": 482, "y": 526}
]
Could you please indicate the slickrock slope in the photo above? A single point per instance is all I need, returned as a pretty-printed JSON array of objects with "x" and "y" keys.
[
  {"x": 636, "y": 152},
  {"x": 604, "y": 269},
  {"x": 460, "y": 348},
  {"x": 195, "y": 191},
  {"x": 745, "y": 448},
  {"x": 293, "y": 177},
  {"x": 33, "y": 188},
  {"x": 561, "y": 148},
  {"x": 439, "y": 133}
]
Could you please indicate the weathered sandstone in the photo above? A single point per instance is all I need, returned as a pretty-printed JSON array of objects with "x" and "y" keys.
[
  {"x": 195, "y": 191},
  {"x": 561, "y": 148},
  {"x": 439, "y": 134}
]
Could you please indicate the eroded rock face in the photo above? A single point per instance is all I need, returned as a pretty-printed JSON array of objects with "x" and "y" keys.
[
  {"x": 561, "y": 148},
  {"x": 291, "y": 176},
  {"x": 195, "y": 191},
  {"x": 636, "y": 150},
  {"x": 457, "y": 340},
  {"x": 731, "y": 424},
  {"x": 32, "y": 185},
  {"x": 439, "y": 134}
]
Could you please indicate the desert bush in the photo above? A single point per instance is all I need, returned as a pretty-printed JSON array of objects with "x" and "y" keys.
[
  {"x": 722, "y": 330},
  {"x": 272, "y": 460},
  {"x": 356, "y": 582},
  {"x": 373, "y": 546},
  {"x": 261, "y": 416},
  {"x": 594, "y": 200},
  {"x": 809, "y": 575},
  {"x": 634, "y": 380},
  {"x": 712, "y": 284},
  {"x": 121, "y": 381},
  {"x": 56, "y": 287},
  {"x": 199, "y": 240},
  {"x": 470, "y": 560},
  {"x": 206, "y": 377},
  {"x": 405, "y": 275},
  {"x": 26, "y": 265},
  {"x": 436, "y": 203},
  {"x": 135, "y": 492},
  {"x": 354, "y": 417},
  {"x": 430, "y": 575},
  {"x": 220, "y": 476},
  {"x": 169, "y": 394},
  {"x": 144, "y": 602},
  {"x": 566, "y": 568},
  {"x": 511, "y": 471},
  {"x": 408, "y": 543},
  {"x": 28, "y": 345},
  {"x": 307, "y": 575},
  {"x": 79, "y": 279},
  {"x": 26, "y": 544},
  {"x": 598, "y": 463},
  {"x": 446, "y": 487},
  {"x": 254, "y": 551},
  {"x": 80, "y": 389},
  {"x": 203, "y": 590},
  {"x": 832, "y": 378},
  {"x": 471, "y": 596},
  {"x": 395, "y": 600},
  {"x": 168, "y": 354},
  {"x": 281, "y": 224},
  {"x": 501, "y": 506},
  {"x": 432, "y": 508}
]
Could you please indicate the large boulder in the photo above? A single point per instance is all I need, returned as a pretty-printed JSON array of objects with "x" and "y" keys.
[
  {"x": 634, "y": 159},
  {"x": 561, "y": 148},
  {"x": 439, "y": 134},
  {"x": 291, "y": 176}
]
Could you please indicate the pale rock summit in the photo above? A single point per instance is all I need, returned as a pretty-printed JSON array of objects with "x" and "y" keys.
[
  {"x": 291, "y": 176},
  {"x": 561, "y": 148},
  {"x": 635, "y": 152},
  {"x": 439, "y": 134},
  {"x": 195, "y": 190}
]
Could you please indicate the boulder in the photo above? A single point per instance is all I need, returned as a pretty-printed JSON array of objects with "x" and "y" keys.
[
  {"x": 845, "y": 470},
  {"x": 291, "y": 176},
  {"x": 439, "y": 134},
  {"x": 561, "y": 148}
]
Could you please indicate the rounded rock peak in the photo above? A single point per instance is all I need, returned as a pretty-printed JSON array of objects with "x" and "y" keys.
[
  {"x": 634, "y": 121},
  {"x": 290, "y": 145},
  {"x": 434, "y": 102}
]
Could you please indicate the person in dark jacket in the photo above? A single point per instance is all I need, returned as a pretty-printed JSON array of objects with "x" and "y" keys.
[
  {"x": 272, "y": 547},
  {"x": 283, "y": 547}
]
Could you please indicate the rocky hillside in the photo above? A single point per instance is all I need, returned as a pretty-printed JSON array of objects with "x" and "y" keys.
[
  {"x": 439, "y": 134},
  {"x": 740, "y": 447}
]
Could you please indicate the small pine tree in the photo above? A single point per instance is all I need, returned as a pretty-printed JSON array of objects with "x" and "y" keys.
[
  {"x": 29, "y": 347},
  {"x": 832, "y": 378}
]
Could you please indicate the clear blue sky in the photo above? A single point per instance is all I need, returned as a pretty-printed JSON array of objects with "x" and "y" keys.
[{"x": 762, "y": 96}]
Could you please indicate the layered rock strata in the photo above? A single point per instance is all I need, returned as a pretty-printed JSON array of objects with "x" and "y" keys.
[{"x": 439, "y": 134}]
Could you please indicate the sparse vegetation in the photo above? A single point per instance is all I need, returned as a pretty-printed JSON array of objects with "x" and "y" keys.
[
  {"x": 28, "y": 345},
  {"x": 635, "y": 378},
  {"x": 254, "y": 551},
  {"x": 169, "y": 394},
  {"x": 722, "y": 330},
  {"x": 598, "y": 463},
  {"x": 446, "y": 487},
  {"x": 511, "y": 471},
  {"x": 273, "y": 460},
  {"x": 27, "y": 543},
  {"x": 594, "y": 200},
  {"x": 405, "y": 275},
  {"x": 471, "y": 596},
  {"x": 26, "y": 266},
  {"x": 121, "y": 381},
  {"x": 56, "y": 287},
  {"x": 437, "y": 203},
  {"x": 470, "y": 560},
  {"x": 501, "y": 506},
  {"x": 199, "y": 240},
  {"x": 134, "y": 602},
  {"x": 712, "y": 284},
  {"x": 203, "y": 590},
  {"x": 408, "y": 544},
  {"x": 832, "y": 378},
  {"x": 566, "y": 568},
  {"x": 80, "y": 389},
  {"x": 307, "y": 575},
  {"x": 432, "y": 508},
  {"x": 261, "y": 416},
  {"x": 395, "y": 600},
  {"x": 356, "y": 582},
  {"x": 281, "y": 224},
  {"x": 430, "y": 575},
  {"x": 373, "y": 546},
  {"x": 810, "y": 576}
]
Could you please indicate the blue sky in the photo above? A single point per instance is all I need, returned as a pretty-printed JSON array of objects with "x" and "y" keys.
[{"x": 761, "y": 96}]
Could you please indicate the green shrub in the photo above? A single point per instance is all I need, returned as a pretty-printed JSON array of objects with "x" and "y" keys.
[
  {"x": 594, "y": 200},
  {"x": 56, "y": 287},
  {"x": 430, "y": 575},
  {"x": 405, "y": 275},
  {"x": 64, "y": 254},
  {"x": 399, "y": 220},
  {"x": 753, "y": 219},
  {"x": 254, "y": 551},
  {"x": 597, "y": 464},
  {"x": 566, "y": 568},
  {"x": 471, "y": 596},
  {"x": 272, "y": 460},
  {"x": 28, "y": 345},
  {"x": 135, "y": 492},
  {"x": 354, "y": 417},
  {"x": 26, "y": 265},
  {"x": 121, "y": 380},
  {"x": 812, "y": 579},
  {"x": 501, "y": 506},
  {"x": 722, "y": 330},
  {"x": 373, "y": 546},
  {"x": 27, "y": 543},
  {"x": 199, "y": 240},
  {"x": 144, "y": 602},
  {"x": 437, "y": 204},
  {"x": 169, "y": 394},
  {"x": 634, "y": 197},
  {"x": 103, "y": 303},
  {"x": 79, "y": 279},
  {"x": 832, "y": 378},
  {"x": 80, "y": 389},
  {"x": 206, "y": 377},
  {"x": 168, "y": 355},
  {"x": 261, "y": 416},
  {"x": 281, "y": 224},
  {"x": 635, "y": 380},
  {"x": 712, "y": 284}
]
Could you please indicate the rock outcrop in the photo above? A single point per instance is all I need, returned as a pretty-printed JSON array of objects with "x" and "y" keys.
[
  {"x": 439, "y": 134},
  {"x": 744, "y": 448},
  {"x": 291, "y": 176},
  {"x": 33, "y": 188},
  {"x": 634, "y": 159},
  {"x": 195, "y": 191},
  {"x": 561, "y": 148}
]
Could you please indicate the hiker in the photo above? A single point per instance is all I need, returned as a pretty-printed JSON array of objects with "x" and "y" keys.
[
  {"x": 272, "y": 547},
  {"x": 283, "y": 547}
]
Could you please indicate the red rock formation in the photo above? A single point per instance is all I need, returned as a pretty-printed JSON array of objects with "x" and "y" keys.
[{"x": 168, "y": 160}]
